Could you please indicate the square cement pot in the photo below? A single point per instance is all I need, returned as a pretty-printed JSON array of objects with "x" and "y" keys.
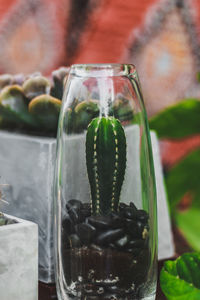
[
  {"x": 19, "y": 260},
  {"x": 27, "y": 165}
]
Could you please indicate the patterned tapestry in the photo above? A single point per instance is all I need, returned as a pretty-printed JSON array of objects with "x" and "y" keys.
[{"x": 161, "y": 37}]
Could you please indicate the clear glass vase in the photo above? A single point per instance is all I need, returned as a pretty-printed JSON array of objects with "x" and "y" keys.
[{"x": 105, "y": 196}]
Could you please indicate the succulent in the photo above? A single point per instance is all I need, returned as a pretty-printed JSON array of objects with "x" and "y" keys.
[
  {"x": 18, "y": 79},
  {"x": 5, "y": 80},
  {"x": 3, "y": 219},
  {"x": 36, "y": 86},
  {"x": 18, "y": 91},
  {"x": 13, "y": 108},
  {"x": 13, "y": 96},
  {"x": 46, "y": 110},
  {"x": 84, "y": 113},
  {"x": 58, "y": 81},
  {"x": 106, "y": 163},
  {"x": 122, "y": 109},
  {"x": 19, "y": 113}
]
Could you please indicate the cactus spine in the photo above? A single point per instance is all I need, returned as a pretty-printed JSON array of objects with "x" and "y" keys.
[{"x": 106, "y": 163}]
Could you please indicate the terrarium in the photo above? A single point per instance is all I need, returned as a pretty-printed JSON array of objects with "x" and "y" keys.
[{"x": 105, "y": 196}]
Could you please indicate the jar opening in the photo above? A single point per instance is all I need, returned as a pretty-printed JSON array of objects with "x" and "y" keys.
[{"x": 102, "y": 70}]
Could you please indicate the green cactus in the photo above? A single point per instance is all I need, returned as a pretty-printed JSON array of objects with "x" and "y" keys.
[
  {"x": 106, "y": 163},
  {"x": 36, "y": 86},
  {"x": 13, "y": 108},
  {"x": 84, "y": 113},
  {"x": 46, "y": 109}
]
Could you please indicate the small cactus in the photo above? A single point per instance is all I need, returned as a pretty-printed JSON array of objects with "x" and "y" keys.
[
  {"x": 59, "y": 76},
  {"x": 106, "y": 163},
  {"x": 36, "y": 86},
  {"x": 5, "y": 80},
  {"x": 122, "y": 109},
  {"x": 46, "y": 109},
  {"x": 13, "y": 108},
  {"x": 84, "y": 113}
]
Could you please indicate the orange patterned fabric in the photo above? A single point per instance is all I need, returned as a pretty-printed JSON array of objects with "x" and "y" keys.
[{"x": 161, "y": 37}]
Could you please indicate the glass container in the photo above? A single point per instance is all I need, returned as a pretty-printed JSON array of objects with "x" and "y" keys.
[{"x": 105, "y": 196}]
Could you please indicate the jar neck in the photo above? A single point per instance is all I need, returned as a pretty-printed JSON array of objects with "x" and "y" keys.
[{"x": 102, "y": 70}]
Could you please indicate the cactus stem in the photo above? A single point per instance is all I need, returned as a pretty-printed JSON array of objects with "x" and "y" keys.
[{"x": 106, "y": 162}]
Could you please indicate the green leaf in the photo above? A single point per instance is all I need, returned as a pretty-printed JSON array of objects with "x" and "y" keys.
[
  {"x": 179, "y": 279},
  {"x": 178, "y": 121},
  {"x": 188, "y": 223},
  {"x": 183, "y": 178}
]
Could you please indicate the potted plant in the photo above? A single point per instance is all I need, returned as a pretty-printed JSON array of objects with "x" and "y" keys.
[
  {"x": 28, "y": 124},
  {"x": 29, "y": 110},
  {"x": 105, "y": 222},
  {"x": 18, "y": 258},
  {"x": 106, "y": 242}
]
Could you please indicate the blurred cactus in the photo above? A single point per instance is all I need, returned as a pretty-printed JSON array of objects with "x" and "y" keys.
[
  {"x": 13, "y": 108},
  {"x": 17, "y": 92},
  {"x": 106, "y": 163},
  {"x": 80, "y": 115},
  {"x": 5, "y": 80},
  {"x": 122, "y": 109},
  {"x": 4, "y": 220},
  {"x": 58, "y": 82},
  {"x": 84, "y": 113},
  {"x": 35, "y": 86},
  {"x": 18, "y": 79},
  {"x": 46, "y": 110},
  {"x": 13, "y": 96}
]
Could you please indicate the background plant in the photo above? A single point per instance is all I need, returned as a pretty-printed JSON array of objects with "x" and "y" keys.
[{"x": 178, "y": 122}]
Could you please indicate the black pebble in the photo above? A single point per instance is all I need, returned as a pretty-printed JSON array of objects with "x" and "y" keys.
[
  {"x": 75, "y": 216},
  {"x": 109, "y": 236},
  {"x": 86, "y": 212},
  {"x": 110, "y": 296},
  {"x": 92, "y": 297},
  {"x": 122, "y": 206},
  {"x": 74, "y": 241},
  {"x": 67, "y": 225},
  {"x": 122, "y": 242},
  {"x": 136, "y": 244},
  {"x": 129, "y": 213},
  {"x": 112, "y": 246},
  {"x": 87, "y": 206},
  {"x": 142, "y": 215},
  {"x": 140, "y": 227},
  {"x": 89, "y": 289},
  {"x": 132, "y": 205},
  {"x": 136, "y": 251},
  {"x": 86, "y": 232},
  {"x": 116, "y": 221},
  {"x": 113, "y": 288},
  {"x": 73, "y": 203},
  {"x": 132, "y": 228},
  {"x": 95, "y": 247},
  {"x": 102, "y": 222}
]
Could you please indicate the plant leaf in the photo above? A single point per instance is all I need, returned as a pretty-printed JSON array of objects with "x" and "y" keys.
[
  {"x": 178, "y": 121},
  {"x": 180, "y": 279},
  {"x": 183, "y": 178},
  {"x": 188, "y": 223}
]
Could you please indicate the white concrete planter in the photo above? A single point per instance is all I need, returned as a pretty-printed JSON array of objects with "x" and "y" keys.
[
  {"x": 27, "y": 164},
  {"x": 19, "y": 261}
]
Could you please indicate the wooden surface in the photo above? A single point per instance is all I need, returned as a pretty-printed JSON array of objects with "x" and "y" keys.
[{"x": 48, "y": 292}]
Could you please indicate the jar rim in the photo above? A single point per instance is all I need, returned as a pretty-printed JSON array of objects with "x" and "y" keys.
[{"x": 102, "y": 70}]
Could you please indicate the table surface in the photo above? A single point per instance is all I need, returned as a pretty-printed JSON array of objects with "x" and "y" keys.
[{"x": 48, "y": 291}]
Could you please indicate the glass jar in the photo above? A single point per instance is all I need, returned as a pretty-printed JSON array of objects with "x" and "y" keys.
[{"x": 105, "y": 195}]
